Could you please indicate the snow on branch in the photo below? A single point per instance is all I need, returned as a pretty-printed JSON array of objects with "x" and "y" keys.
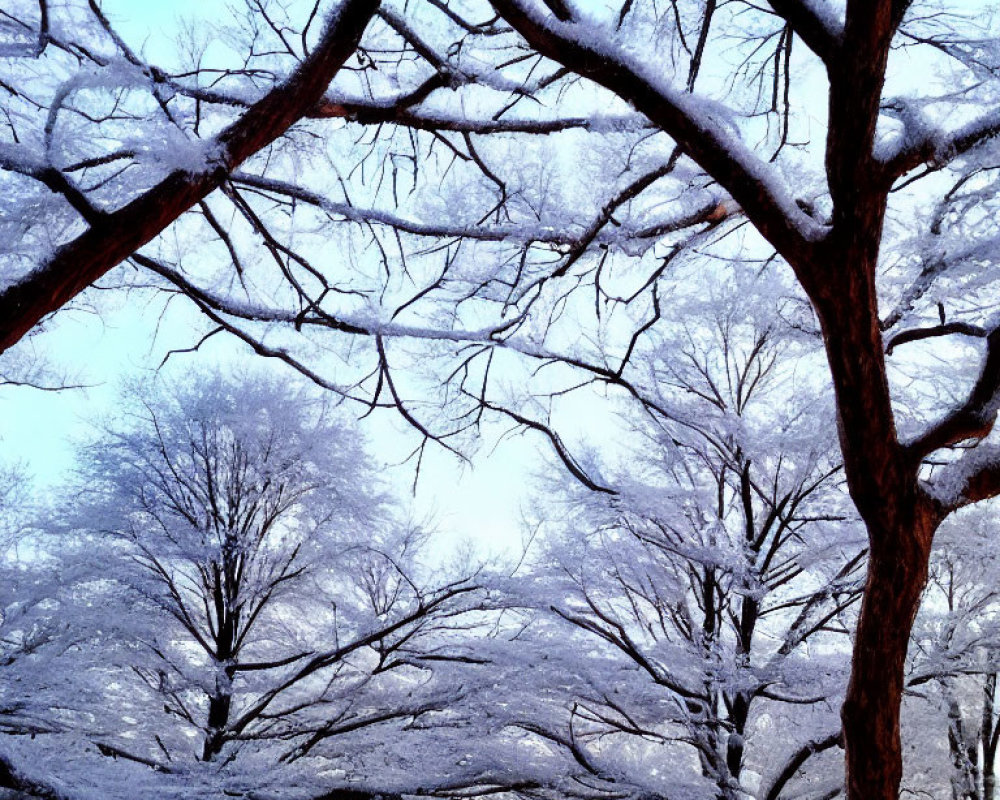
[
  {"x": 924, "y": 143},
  {"x": 400, "y": 112},
  {"x": 975, "y": 418},
  {"x": 815, "y": 22},
  {"x": 712, "y": 211},
  {"x": 972, "y": 478},
  {"x": 699, "y": 127},
  {"x": 113, "y": 236}
]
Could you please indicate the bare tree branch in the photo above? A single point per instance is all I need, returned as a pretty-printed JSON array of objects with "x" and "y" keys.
[{"x": 115, "y": 235}]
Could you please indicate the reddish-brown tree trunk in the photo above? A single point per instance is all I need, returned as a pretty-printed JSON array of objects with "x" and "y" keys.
[
  {"x": 900, "y": 518},
  {"x": 897, "y": 571}
]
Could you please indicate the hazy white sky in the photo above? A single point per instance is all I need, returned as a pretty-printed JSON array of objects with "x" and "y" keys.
[{"x": 481, "y": 503}]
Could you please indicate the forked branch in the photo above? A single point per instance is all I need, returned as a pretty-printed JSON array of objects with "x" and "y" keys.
[
  {"x": 975, "y": 417},
  {"x": 698, "y": 134},
  {"x": 116, "y": 235}
]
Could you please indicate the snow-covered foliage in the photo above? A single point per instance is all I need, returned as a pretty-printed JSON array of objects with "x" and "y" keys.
[
  {"x": 952, "y": 714},
  {"x": 708, "y": 601},
  {"x": 514, "y": 212},
  {"x": 247, "y": 608}
]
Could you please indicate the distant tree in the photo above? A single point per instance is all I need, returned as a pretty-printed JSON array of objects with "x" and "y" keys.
[
  {"x": 709, "y": 600},
  {"x": 952, "y": 708},
  {"x": 258, "y": 586},
  {"x": 33, "y": 635}
]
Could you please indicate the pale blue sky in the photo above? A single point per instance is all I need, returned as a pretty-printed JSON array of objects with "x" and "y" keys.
[{"x": 37, "y": 428}]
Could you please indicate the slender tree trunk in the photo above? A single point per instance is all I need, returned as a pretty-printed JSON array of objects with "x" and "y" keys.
[
  {"x": 221, "y": 700},
  {"x": 736, "y": 746},
  {"x": 988, "y": 737},
  {"x": 963, "y": 751},
  {"x": 219, "y": 705},
  {"x": 749, "y": 615}
]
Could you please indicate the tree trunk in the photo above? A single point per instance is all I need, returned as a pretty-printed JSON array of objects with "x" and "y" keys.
[
  {"x": 218, "y": 717},
  {"x": 900, "y": 518},
  {"x": 749, "y": 615},
  {"x": 988, "y": 737},
  {"x": 964, "y": 752},
  {"x": 897, "y": 571},
  {"x": 226, "y": 621}
]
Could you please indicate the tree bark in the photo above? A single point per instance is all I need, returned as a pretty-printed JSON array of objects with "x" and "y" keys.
[
  {"x": 988, "y": 737},
  {"x": 964, "y": 752},
  {"x": 220, "y": 702},
  {"x": 219, "y": 705},
  {"x": 900, "y": 518},
  {"x": 897, "y": 571}
]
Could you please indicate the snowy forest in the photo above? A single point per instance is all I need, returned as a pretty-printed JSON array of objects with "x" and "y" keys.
[{"x": 702, "y": 290}]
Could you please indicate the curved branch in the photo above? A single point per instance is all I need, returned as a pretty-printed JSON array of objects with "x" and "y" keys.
[
  {"x": 975, "y": 417},
  {"x": 116, "y": 235},
  {"x": 796, "y": 761},
  {"x": 557, "y": 444},
  {"x": 971, "y": 479},
  {"x": 700, "y": 134},
  {"x": 945, "y": 329},
  {"x": 928, "y": 145}
]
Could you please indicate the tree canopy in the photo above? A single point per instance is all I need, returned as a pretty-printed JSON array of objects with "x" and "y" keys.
[{"x": 483, "y": 211}]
